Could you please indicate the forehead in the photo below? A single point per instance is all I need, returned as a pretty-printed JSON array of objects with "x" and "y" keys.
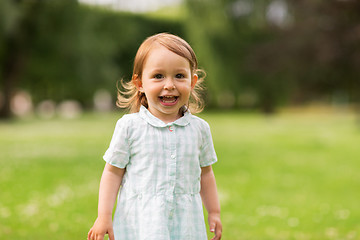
[{"x": 162, "y": 56}]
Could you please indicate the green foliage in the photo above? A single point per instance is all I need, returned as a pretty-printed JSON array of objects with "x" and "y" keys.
[
  {"x": 282, "y": 177},
  {"x": 228, "y": 43},
  {"x": 282, "y": 51},
  {"x": 98, "y": 52},
  {"x": 308, "y": 51},
  {"x": 72, "y": 50}
]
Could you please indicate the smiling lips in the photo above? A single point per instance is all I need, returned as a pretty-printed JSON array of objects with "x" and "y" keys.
[{"x": 168, "y": 100}]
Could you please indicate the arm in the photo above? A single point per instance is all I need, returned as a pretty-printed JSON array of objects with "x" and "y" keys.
[
  {"x": 210, "y": 199},
  {"x": 109, "y": 187}
]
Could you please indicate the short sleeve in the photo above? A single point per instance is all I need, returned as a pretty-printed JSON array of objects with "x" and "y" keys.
[
  {"x": 118, "y": 152},
  {"x": 207, "y": 150}
]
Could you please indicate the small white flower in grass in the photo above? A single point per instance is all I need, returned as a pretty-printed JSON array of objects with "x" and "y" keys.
[
  {"x": 342, "y": 214},
  {"x": 54, "y": 227},
  {"x": 252, "y": 221},
  {"x": 223, "y": 196},
  {"x": 270, "y": 231},
  {"x": 293, "y": 222},
  {"x": 61, "y": 194},
  {"x": 29, "y": 209},
  {"x": 273, "y": 211},
  {"x": 5, "y": 212},
  {"x": 301, "y": 236},
  {"x": 331, "y": 232},
  {"x": 351, "y": 235}
]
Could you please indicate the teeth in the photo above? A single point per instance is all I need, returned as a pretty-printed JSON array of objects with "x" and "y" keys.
[{"x": 168, "y": 98}]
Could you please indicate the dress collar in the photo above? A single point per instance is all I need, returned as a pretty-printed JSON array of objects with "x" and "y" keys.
[{"x": 154, "y": 121}]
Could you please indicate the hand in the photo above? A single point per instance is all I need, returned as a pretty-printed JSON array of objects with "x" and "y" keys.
[
  {"x": 215, "y": 225},
  {"x": 101, "y": 227}
]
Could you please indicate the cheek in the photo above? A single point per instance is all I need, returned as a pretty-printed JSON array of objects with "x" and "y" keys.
[
  {"x": 152, "y": 90},
  {"x": 185, "y": 89}
]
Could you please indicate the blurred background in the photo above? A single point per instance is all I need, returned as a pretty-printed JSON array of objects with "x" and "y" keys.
[
  {"x": 283, "y": 94},
  {"x": 259, "y": 55}
]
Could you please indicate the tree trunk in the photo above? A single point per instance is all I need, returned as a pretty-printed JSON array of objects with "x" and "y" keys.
[
  {"x": 13, "y": 64},
  {"x": 15, "y": 46}
]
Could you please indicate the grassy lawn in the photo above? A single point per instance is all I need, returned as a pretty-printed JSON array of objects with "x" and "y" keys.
[{"x": 291, "y": 176}]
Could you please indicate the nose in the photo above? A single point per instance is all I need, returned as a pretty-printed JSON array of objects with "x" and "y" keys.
[{"x": 169, "y": 84}]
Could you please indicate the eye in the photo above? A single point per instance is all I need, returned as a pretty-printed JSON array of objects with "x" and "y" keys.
[
  {"x": 158, "y": 76},
  {"x": 180, "y": 75}
]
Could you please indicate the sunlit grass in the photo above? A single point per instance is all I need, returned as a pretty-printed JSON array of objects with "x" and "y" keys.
[
  {"x": 282, "y": 177},
  {"x": 288, "y": 177}
]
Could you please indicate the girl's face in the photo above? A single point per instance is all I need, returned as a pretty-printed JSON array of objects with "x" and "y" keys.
[{"x": 167, "y": 81}]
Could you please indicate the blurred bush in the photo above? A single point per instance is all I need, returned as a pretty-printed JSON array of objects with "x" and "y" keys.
[
  {"x": 63, "y": 50},
  {"x": 279, "y": 52}
]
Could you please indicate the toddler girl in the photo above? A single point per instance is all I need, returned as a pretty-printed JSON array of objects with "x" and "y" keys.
[{"x": 160, "y": 154}]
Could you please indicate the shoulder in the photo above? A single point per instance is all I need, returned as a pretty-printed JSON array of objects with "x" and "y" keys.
[
  {"x": 203, "y": 129},
  {"x": 197, "y": 121},
  {"x": 129, "y": 117},
  {"x": 129, "y": 120},
  {"x": 200, "y": 124}
]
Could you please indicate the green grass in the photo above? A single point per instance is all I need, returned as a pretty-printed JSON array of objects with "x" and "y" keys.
[{"x": 282, "y": 177}]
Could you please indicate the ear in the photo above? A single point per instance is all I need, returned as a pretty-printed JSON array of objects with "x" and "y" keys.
[
  {"x": 137, "y": 82},
  {"x": 194, "y": 80}
]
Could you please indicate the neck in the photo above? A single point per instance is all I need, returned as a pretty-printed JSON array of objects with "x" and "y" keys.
[{"x": 172, "y": 119}]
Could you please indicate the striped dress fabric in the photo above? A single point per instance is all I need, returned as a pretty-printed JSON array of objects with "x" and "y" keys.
[{"x": 159, "y": 196}]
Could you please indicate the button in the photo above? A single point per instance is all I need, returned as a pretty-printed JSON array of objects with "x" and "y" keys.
[{"x": 171, "y": 128}]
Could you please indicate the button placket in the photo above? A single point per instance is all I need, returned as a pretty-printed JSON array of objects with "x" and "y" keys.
[{"x": 172, "y": 165}]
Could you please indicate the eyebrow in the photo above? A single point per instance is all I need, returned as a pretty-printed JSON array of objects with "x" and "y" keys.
[{"x": 176, "y": 70}]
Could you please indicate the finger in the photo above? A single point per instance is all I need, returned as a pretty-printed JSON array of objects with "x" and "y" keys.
[
  {"x": 89, "y": 235},
  {"x": 212, "y": 227},
  {"x": 100, "y": 236},
  {"x": 111, "y": 234},
  {"x": 216, "y": 237},
  {"x": 218, "y": 232}
]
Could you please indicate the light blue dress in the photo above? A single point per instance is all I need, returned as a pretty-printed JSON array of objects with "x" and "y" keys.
[{"x": 159, "y": 198}]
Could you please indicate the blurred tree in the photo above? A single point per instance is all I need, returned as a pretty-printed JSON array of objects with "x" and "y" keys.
[
  {"x": 17, "y": 29},
  {"x": 55, "y": 52},
  {"x": 317, "y": 52},
  {"x": 227, "y": 33},
  {"x": 258, "y": 54},
  {"x": 34, "y": 33},
  {"x": 324, "y": 47},
  {"x": 62, "y": 50},
  {"x": 281, "y": 50}
]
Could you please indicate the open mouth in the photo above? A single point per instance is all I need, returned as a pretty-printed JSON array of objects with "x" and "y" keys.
[{"x": 168, "y": 100}]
